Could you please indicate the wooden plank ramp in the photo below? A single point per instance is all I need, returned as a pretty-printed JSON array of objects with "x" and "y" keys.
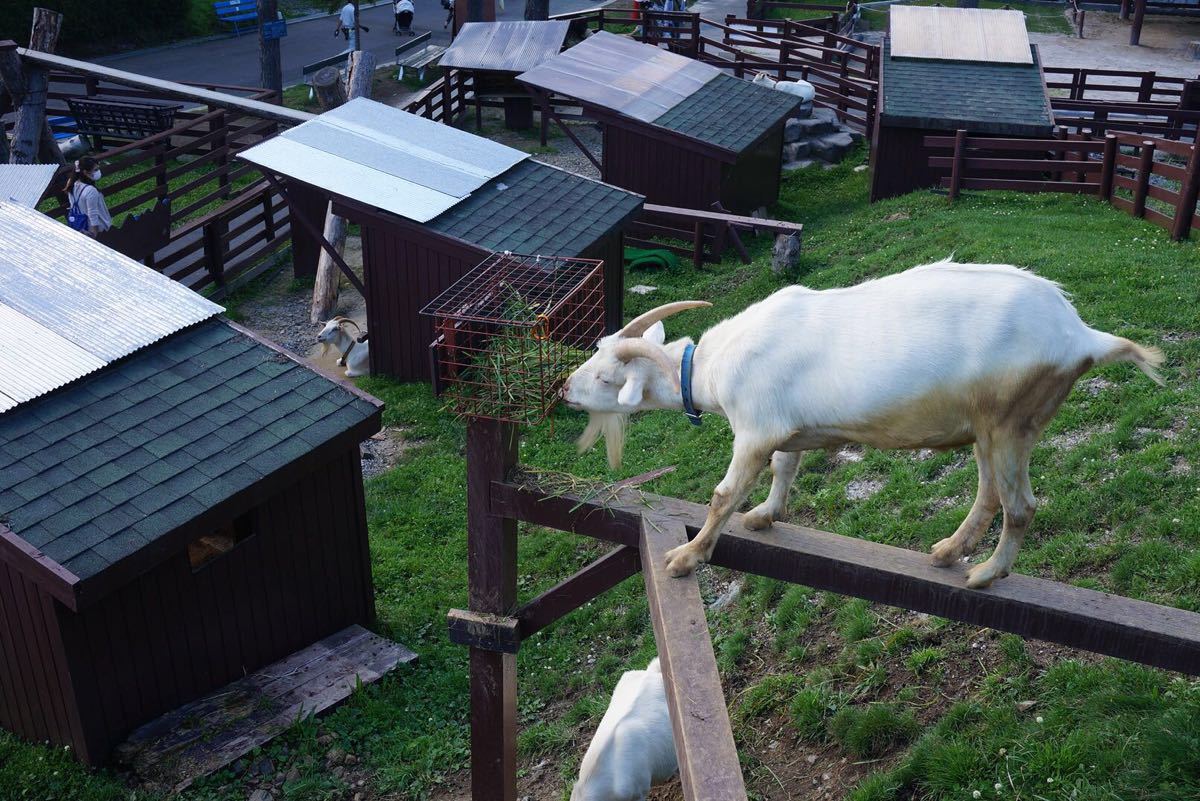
[
  {"x": 207, "y": 734},
  {"x": 708, "y": 759}
]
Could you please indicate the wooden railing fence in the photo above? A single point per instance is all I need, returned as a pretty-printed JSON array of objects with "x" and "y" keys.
[
  {"x": 707, "y": 234},
  {"x": 224, "y": 219},
  {"x": 1119, "y": 168},
  {"x": 1133, "y": 86}
]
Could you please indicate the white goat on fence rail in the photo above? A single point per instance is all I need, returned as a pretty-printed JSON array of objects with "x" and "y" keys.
[
  {"x": 939, "y": 356},
  {"x": 634, "y": 747}
]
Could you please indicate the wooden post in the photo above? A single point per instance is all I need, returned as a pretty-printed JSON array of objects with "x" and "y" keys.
[
  {"x": 1139, "y": 15},
  {"x": 784, "y": 47},
  {"x": 1081, "y": 174},
  {"x": 960, "y": 140},
  {"x": 1145, "y": 167},
  {"x": 698, "y": 244},
  {"x": 1146, "y": 87},
  {"x": 492, "y": 589},
  {"x": 32, "y": 138},
  {"x": 1108, "y": 167},
  {"x": 1188, "y": 193},
  {"x": 221, "y": 143},
  {"x": 329, "y": 88},
  {"x": 447, "y": 117},
  {"x": 360, "y": 68},
  {"x": 1124, "y": 9},
  {"x": 545, "y": 116},
  {"x": 214, "y": 250},
  {"x": 270, "y": 67},
  {"x": 1060, "y": 133}
]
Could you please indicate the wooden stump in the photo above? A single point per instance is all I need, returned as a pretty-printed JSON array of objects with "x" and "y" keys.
[{"x": 360, "y": 69}]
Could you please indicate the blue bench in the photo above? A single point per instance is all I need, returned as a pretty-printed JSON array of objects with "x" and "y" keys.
[{"x": 236, "y": 11}]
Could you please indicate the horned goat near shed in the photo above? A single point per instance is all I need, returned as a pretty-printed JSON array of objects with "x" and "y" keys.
[
  {"x": 938, "y": 356},
  {"x": 354, "y": 347},
  {"x": 634, "y": 747}
]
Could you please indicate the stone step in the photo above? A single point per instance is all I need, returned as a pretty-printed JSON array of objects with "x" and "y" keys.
[{"x": 831, "y": 148}]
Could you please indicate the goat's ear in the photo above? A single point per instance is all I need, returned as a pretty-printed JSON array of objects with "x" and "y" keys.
[
  {"x": 656, "y": 333},
  {"x": 631, "y": 392}
]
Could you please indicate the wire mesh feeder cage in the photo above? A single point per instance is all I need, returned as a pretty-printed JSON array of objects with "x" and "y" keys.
[{"x": 509, "y": 332}]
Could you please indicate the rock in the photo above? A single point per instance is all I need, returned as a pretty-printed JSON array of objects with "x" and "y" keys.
[
  {"x": 642, "y": 289},
  {"x": 324, "y": 740},
  {"x": 358, "y": 797},
  {"x": 786, "y": 254},
  {"x": 263, "y": 767},
  {"x": 832, "y": 148},
  {"x": 351, "y": 759},
  {"x": 861, "y": 168},
  {"x": 729, "y": 596},
  {"x": 798, "y": 165},
  {"x": 795, "y": 150},
  {"x": 796, "y": 129},
  {"x": 293, "y": 775},
  {"x": 1025, "y": 706},
  {"x": 760, "y": 213},
  {"x": 261, "y": 795},
  {"x": 335, "y": 756}
]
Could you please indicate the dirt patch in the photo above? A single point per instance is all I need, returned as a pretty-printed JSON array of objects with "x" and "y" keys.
[
  {"x": 1163, "y": 45},
  {"x": 862, "y": 489},
  {"x": 383, "y": 451},
  {"x": 1073, "y": 439}
]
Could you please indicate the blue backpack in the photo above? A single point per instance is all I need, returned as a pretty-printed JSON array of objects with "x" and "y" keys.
[{"x": 76, "y": 218}]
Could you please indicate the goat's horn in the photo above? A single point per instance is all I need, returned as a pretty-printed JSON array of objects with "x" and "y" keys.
[
  {"x": 640, "y": 324},
  {"x": 348, "y": 320},
  {"x": 627, "y": 349}
]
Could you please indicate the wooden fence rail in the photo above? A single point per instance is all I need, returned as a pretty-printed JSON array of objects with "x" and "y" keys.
[
  {"x": 1119, "y": 168},
  {"x": 1138, "y": 87}
]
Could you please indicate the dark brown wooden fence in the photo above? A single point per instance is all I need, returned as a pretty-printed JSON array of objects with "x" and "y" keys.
[
  {"x": 1127, "y": 85},
  {"x": 1119, "y": 168},
  {"x": 706, "y": 234},
  {"x": 224, "y": 219},
  {"x": 445, "y": 99}
]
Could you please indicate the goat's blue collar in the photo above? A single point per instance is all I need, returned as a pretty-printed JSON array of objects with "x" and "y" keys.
[{"x": 685, "y": 384}]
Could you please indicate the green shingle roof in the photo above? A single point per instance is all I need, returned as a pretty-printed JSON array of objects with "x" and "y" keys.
[
  {"x": 99, "y": 470},
  {"x": 540, "y": 209},
  {"x": 729, "y": 112},
  {"x": 983, "y": 97}
]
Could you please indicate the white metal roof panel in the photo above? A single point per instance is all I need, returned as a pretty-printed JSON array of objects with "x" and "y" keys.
[
  {"x": 78, "y": 303},
  {"x": 386, "y": 157},
  {"x": 960, "y": 34},
  {"x": 25, "y": 183},
  {"x": 617, "y": 73},
  {"x": 505, "y": 46}
]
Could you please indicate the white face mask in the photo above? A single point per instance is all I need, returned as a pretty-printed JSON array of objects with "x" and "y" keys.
[{"x": 96, "y": 175}]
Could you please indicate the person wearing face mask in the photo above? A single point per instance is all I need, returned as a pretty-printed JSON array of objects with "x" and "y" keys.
[{"x": 88, "y": 211}]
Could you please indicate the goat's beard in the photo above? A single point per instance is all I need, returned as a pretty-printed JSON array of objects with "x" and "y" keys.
[{"x": 612, "y": 426}]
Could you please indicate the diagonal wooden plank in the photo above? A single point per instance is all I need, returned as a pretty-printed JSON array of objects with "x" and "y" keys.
[{"x": 708, "y": 760}]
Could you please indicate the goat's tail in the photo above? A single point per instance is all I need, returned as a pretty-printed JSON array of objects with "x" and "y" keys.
[{"x": 1147, "y": 358}]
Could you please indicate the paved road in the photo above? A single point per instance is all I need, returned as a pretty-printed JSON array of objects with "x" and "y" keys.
[{"x": 235, "y": 60}]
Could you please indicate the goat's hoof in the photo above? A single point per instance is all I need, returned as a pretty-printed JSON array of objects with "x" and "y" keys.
[
  {"x": 681, "y": 561},
  {"x": 945, "y": 553},
  {"x": 340, "y": 362},
  {"x": 981, "y": 576},
  {"x": 757, "y": 519}
]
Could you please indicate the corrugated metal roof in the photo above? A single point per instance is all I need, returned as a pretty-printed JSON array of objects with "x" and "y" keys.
[
  {"x": 505, "y": 46},
  {"x": 617, "y": 73},
  {"x": 386, "y": 157},
  {"x": 70, "y": 305},
  {"x": 25, "y": 183}
]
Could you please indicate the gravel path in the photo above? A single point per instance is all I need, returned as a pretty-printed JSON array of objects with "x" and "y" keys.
[{"x": 1106, "y": 46}]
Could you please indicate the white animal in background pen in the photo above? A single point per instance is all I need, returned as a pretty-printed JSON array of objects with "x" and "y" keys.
[
  {"x": 801, "y": 89},
  {"x": 355, "y": 348},
  {"x": 939, "y": 356},
  {"x": 634, "y": 748}
]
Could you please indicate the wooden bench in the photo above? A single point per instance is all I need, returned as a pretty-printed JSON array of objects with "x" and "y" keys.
[
  {"x": 120, "y": 118},
  {"x": 417, "y": 54},
  {"x": 237, "y": 11}
]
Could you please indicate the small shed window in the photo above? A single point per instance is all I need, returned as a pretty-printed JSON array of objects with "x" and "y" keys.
[{"x": 208, "y": 547}]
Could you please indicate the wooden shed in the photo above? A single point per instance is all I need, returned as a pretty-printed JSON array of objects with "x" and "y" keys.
[
  {"x": 676, "y": 130},
  {"x": 181, "y": 503},
  {"x": 945, "y": 69},
  {"x": 432, "y": 202},
  {"x": 494, "y": 53}
]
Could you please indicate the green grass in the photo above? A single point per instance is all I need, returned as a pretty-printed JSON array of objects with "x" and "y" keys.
[{"x": 1119, "y": 511}]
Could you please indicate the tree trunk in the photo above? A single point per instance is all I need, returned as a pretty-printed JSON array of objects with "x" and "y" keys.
[
  {"x": 31, "y": 134},
  {"x": 270, "y": 67},
  {"x": 329, "y": 88},
  {"x": 357, "y": 29},
  {"x": 360, "y": 69},
  {"x": 537, "y": 9}
]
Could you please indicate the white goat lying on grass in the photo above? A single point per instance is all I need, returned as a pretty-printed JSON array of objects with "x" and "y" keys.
[
  {"x": 634, "y": 747},
  {"x": 355, "y": 350},
  {"x": 938, "y": 356}
]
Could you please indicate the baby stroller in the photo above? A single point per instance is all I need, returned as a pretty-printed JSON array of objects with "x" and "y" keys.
[{"x": 402, "y": 26}]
